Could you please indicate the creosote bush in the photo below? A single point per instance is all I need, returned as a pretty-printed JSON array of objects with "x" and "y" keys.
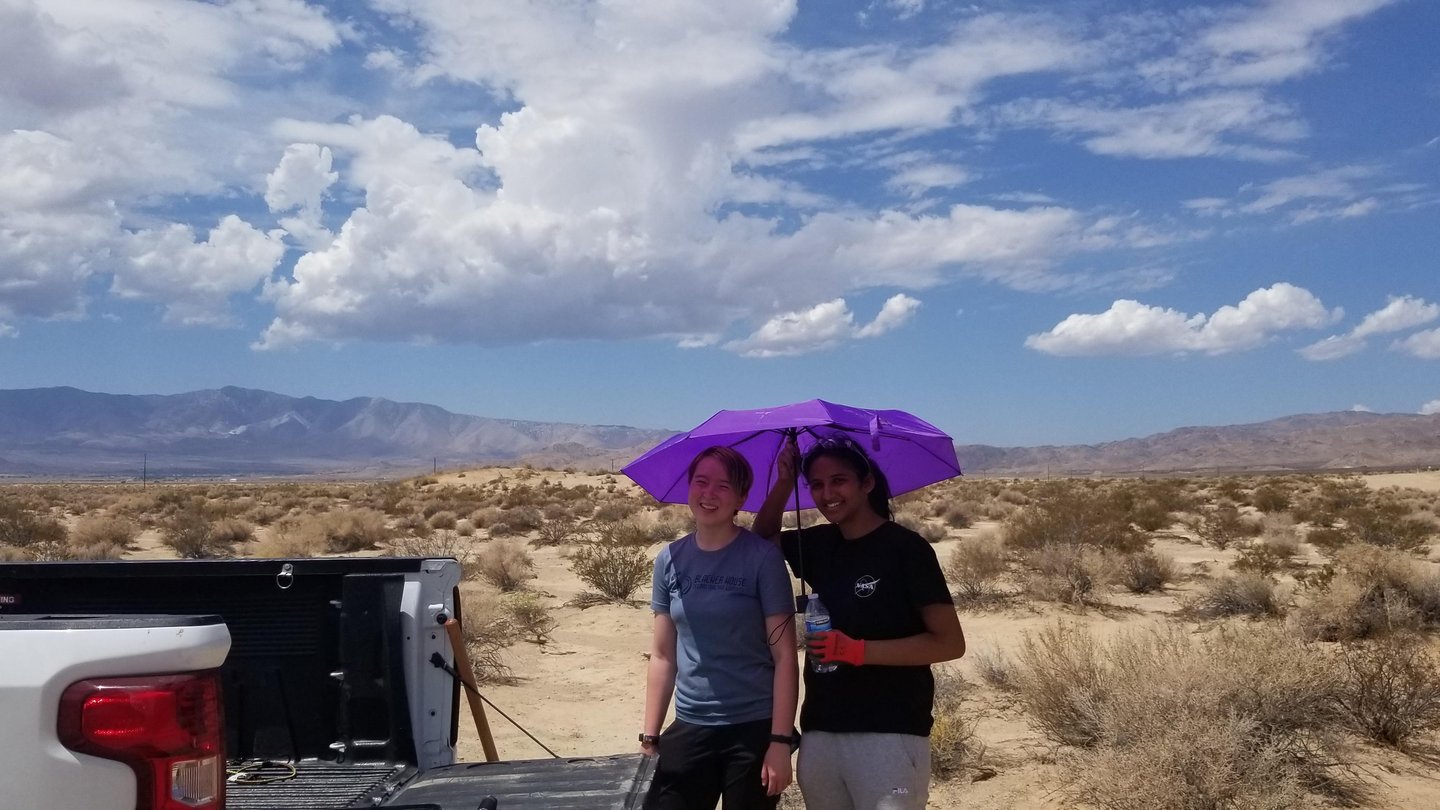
[
  {"x": 613, "y": 569},
  {"x": 487, "y": 630},
  {"x": 1390, "y": 689},
  {"x": 1146, "y": 571},
  {"x": 974, "y": 567},
  {"x": 1071, "y": 514},
  {"x": 192, "y": 535},
  {"x": 505, "y": 564},
  {"x": 1369, "y": 591}
]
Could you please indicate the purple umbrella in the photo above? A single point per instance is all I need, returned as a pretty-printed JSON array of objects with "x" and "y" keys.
[{"x": 910, "y": 451}]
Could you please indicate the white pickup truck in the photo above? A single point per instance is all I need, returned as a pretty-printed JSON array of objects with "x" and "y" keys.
[{"x": 323, "y": 684}]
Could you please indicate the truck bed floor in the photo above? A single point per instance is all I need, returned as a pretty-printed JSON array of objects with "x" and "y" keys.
[
  {"x": 583, "y": 783},
  {"x": 315, "y": 786}
]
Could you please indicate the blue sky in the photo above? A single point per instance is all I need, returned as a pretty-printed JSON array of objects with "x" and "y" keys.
[{"x": 1028, "y": 222}]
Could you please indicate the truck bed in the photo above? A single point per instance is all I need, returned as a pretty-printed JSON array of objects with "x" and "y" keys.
[{"x": 581, "y": 783}]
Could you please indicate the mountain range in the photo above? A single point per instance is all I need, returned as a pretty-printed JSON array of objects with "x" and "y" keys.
[{"x": 66, "y": 432}]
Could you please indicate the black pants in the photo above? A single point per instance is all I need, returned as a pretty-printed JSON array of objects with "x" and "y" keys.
[{"x": 699, "y": 765}]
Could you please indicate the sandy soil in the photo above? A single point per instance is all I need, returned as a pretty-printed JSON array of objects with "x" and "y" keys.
[{"x": 1424, "y": 481}]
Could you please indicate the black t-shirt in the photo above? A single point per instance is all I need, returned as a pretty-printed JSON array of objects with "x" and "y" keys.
[{"x": 875, "y": 587}]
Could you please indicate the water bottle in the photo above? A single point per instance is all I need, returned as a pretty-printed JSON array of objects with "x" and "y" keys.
[{"x": 817, "y": 620}]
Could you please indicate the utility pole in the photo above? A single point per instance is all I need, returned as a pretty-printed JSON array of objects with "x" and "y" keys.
[{"x": 144, "y": 470}]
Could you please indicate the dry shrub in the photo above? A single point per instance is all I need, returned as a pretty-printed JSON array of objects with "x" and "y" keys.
[
  {"x": 505, "y": 564},
  {"x": 530, "y": 617},
  {"x": 1236, "y": 595},
  {"x": 1069, "y": 574},
  {"x": 1370, "y": 591},
  {"x": 996, "y": 669},
  {"x": 1146, "y": 571},
  {"x": 464, "y": 528},
  {"x": 444, "y": 519},
  {"x": 556, "y": 532},
  {"x": 23, "y": 527},
  {"x": 352, "y": 529},
  {"x": 1064, "y": 683},
  {"x": 288, "y": 538},
  {"x": 974, "y": 567},
  {"x": 1171, "y": 722},
  {"x": 954, "y": 748},
  {"x": 1263, "y": 558},
  {"x": 1223, "y": 525},
  {"x": 103, "y": 532},
  {"x": 616, "y": 510},
  {"x": 1390, "y": 689},
  {"x": 439, "y": 544},
  {"x": 192, "y": 535},
  {"x": 1070, "y": 514},
  {"x": 614, "y": 570},
  {"x": 229, "y": 531},
  {"x": 487, "y": 631}
]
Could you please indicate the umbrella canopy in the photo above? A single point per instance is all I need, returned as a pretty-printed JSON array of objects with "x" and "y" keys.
[{"x": 910, "y": 451}]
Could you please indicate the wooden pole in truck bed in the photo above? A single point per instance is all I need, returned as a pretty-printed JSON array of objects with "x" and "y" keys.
[{"x": 472, "y": 694}]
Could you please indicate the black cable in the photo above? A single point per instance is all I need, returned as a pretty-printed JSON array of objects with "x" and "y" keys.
[{"x": 438, "y": 661}]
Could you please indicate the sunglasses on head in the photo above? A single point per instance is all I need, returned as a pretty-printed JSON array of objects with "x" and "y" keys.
[{"x": 842, "y": 443}]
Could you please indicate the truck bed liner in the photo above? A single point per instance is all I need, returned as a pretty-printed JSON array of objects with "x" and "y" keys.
[
  {"x": 316, "y": 786},
  {"x": 581, "y": 783}
]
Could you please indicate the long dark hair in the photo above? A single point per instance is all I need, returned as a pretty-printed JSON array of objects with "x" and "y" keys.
[{"x": 847, "y": 452}]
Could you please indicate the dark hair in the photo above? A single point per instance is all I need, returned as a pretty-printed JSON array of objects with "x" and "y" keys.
[
  {"x": 846, "y": 451},
  {"x": 736, "y": 466}
]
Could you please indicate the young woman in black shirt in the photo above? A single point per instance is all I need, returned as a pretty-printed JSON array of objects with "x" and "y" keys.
[{"x": 866, "y": 724}]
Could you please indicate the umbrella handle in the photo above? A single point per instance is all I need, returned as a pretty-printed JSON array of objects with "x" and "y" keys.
[{"x": 802, "y": 601}]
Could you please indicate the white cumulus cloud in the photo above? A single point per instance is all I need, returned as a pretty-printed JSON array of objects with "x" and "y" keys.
[
  {"x": 194, "y": 280},
  {"x": 1132, "y": 328},
  {"x": 1401, "y": 313},
  {"x": 1424, "y": 345},
  {"x": 1430, "y": 408},
  {"x": 823, "y": 326}
]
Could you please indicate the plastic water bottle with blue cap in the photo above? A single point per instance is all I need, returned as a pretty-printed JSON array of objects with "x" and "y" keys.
[{"x": 817, "y": 620}]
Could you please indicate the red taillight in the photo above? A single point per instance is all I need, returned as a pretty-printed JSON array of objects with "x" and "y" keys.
[{"x": 165, "y": 727}]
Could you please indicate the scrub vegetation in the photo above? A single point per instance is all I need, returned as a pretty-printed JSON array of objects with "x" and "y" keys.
[{"x": 1236, "y": 642}]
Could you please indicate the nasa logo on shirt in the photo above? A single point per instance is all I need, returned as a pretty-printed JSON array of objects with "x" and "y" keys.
[{"x": 865, "y": 586}]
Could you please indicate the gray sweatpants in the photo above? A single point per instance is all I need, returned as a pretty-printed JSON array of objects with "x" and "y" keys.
[{"x": 864, "y": 771}]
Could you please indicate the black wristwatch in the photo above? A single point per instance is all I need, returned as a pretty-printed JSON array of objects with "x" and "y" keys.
[
  {"x": 650, "y": 739},
  {"x": 783, "y": 738}
]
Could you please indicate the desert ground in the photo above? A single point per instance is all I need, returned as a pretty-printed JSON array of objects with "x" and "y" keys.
[{"x": 577, "y": 683}]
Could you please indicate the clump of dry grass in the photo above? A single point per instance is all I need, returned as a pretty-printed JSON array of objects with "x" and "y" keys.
[
  {"x": 1235, "y": 595},
  {"x": 954, "y": 748},
  {"x": 1165, "y": 720},
  {"x": 995, "y": 668},
  {"x": 529, "y": 617}
]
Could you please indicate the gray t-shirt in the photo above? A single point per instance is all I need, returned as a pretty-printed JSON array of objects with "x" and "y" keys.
[{"x": 719, "y": 601}]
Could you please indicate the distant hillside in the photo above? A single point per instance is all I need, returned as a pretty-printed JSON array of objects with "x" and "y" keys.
[
  {"x": 66, "y": 432},
  {"x": 238, "y": 431},
  {"x": 1327, "y": 441}
]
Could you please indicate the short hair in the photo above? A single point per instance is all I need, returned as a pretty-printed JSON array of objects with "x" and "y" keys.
[{"x": 736, "y": 466}]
